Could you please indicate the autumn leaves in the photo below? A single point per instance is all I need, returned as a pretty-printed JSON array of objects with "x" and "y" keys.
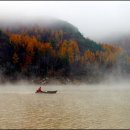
[{"x": 68, "y": 49}]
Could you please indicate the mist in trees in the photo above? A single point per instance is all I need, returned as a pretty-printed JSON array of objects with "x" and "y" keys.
[{"x": 58, "y": 51}]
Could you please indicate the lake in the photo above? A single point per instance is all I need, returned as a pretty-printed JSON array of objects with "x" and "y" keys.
[{"x": 74, "y": 106}]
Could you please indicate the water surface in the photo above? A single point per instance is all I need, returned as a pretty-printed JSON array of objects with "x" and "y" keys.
[{"x": 84, "y": 106}]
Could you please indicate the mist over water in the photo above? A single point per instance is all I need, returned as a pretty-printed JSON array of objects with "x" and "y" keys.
[
  {"x": 103, "y": 105},
  {"x": 24, "y": 87}
]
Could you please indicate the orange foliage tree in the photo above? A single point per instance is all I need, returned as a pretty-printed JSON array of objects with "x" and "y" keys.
[
  {"x": 69, "y": 49},
  {"x": 89, "y": 57}
]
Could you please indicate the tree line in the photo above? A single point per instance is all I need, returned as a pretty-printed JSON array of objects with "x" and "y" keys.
[{"x": 27, "y": 56}]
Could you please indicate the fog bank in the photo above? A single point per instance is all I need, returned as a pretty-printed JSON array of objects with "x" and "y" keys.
[{"x": 95, "y": 19}]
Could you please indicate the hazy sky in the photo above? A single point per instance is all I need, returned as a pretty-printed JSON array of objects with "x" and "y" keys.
[{"x": 94, "y": 19}]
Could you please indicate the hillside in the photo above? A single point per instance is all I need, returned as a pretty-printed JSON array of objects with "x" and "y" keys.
[
  {"x": 54, "y": 31},
  {"x": 54, "y": 49},
  {"x": 120, "y": 40}
]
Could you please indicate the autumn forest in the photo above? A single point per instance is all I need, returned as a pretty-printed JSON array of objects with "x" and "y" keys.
[{"x": 58, "y": 50}]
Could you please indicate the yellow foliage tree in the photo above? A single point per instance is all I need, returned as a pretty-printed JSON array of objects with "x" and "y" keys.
[
  {"x": 89, "y": 57},
  {"x": 70, "y": 50}
]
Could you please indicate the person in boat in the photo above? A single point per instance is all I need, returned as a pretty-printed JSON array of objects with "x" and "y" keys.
[{"x": 39, "y": 90}]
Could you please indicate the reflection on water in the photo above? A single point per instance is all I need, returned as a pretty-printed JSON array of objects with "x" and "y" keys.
[{"x": 87, "y": 107}]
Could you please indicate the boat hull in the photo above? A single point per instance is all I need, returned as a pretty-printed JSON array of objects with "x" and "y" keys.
[{"x": 48, "y": 92}]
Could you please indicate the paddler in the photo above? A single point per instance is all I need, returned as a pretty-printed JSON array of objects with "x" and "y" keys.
[{"x": 39, "y": 90}]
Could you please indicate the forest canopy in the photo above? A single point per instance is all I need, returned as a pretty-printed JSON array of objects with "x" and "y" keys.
[{"x": 58, "y": 50}]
